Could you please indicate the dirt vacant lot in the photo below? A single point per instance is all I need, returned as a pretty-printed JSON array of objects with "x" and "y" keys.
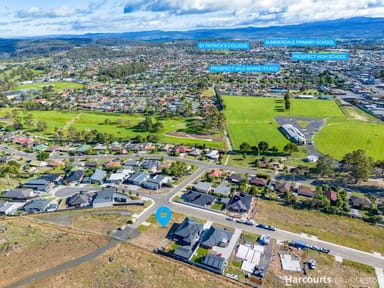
[
  {"x": 129, "y": 266},
  {"x": 27, "y": 247}
]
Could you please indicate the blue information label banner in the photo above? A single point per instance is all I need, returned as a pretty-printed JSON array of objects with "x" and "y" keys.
[
  {"x": 267, "y": 68},
  {"x": 299, "y": 42},
  {"x": 223, "y": 45},
  {"x": 320, "y": 56}
]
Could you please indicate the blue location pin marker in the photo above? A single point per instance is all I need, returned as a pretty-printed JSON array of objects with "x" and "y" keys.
[{"x": 163, "y": 215}]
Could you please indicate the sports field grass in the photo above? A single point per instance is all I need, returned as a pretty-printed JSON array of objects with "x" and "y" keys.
[
  {"x": 84, "y": 120},
  {"x": 56, "y": 85},
  {"x": 251, "y": 119},
  {"x": 340, "y": 137}
]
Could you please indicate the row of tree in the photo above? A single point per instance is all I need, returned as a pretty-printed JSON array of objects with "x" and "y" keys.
[
  {"x": 356, "y": 164},
  {"x": 263, "y": 147}
]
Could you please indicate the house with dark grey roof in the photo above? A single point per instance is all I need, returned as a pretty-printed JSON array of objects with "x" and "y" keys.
[
  {"x": 79, "y": 200},
  {"x": 183, "y": 252},
  {"x": 151, "y": 165},
  {"x": 104, "y": 198},
  {"x": 235, "y": 178},
  {"x": 108, "y": 197},
  {"x": 51, "y": 177},
  {"x": 214, "y": 262},
  {"x": 216, "y": 236},
  {"x": 74, "y": 176},
  {"x": 156, "y": 182},
  {"x": 204, "y": 187},
  {"x": 36, "y": 205},
  {"x": 240, "y": 203},
  {"x": 222, "y": 190},
  {"x": 200, "y": 199},
  {"x": 187, "y": 232},
  {"x": 38, "y": 184},
  {"x": 360, "y": 202},
  {"x": 18, "y": 194},
  {"x": 98, "y": 176},
  {"x": 131, "y": 165},
  {"x": 138, "y": 178}
]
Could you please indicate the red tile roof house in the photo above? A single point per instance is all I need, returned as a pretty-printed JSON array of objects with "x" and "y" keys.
[
  {"x": 181, "y": 149},
  {"x": 261, "y": 182},
  {"x": 215, "y": 173},
  {"x": 331, "y": 195},
  {"x": 113, "y": 164},
  {"x": 306, "y": 191},
  {"x": 23, "y": 141}
]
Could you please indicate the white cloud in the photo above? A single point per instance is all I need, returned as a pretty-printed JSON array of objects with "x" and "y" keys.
[{"x": 108, "y": 16}]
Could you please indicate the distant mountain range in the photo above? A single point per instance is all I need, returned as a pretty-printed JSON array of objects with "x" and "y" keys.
[
  {"x": 351, "y": 28},
  {"x": 358, "y": 27}
]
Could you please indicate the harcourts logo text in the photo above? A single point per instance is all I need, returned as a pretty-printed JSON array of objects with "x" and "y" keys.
[{"x": 294, "y": 281}]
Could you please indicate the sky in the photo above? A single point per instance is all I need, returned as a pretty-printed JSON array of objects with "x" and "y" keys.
[{"x": 49, "y": 17}]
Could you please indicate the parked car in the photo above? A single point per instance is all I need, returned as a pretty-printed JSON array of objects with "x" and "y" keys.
[
  {"x": 324, "y": 250},
  {"x": 268, "y": 227},
  {"x": 229, "y": 218}
]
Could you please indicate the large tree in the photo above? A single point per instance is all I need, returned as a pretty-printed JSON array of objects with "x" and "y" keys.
[
  {"x": 324, "y": 165},
  {"x": 290, "y": 147},
  {"x": 263, "y": 146},
  {"x": 244, "y": 147},
  {"x": 357, "y": 164}
]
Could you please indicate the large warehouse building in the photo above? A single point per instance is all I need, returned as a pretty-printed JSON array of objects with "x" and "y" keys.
[{"x": 293, "y": 134}]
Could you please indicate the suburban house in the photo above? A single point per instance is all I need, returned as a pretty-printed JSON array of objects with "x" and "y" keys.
[
  {"x": 260, "y": 182},
  {"x": 306, "y": 191},
  {"x": 131, "y": 164},
  {"x": 38, "y": 184},
  {"x": 182, "y": 150},
  {"x": 98, "y": 176},
  {"x": 214, "y": 262},
  {"x": 183, "y": 252},
  {"x": 18, "y": 194},
  {"x": 74, "y": 177},
  {"x": 187, "y": 232},
  {"x": 215, "y": 173},
  {"x": 282, "y": 187},
  {"x": 37, "y": 205},
  {"x": 215, "y": 236},
  {"x": 118, "y": 177},
  {"x": 108, "y": 197},
  {"x": 204, "y": 187},
  {"x": 235, "y": 178},
  {"x": 7, "y": 208},
  {"x": 240, "y": 203},
  {"x": 113, "y": 164},
  {"x": 51, "y": 177},
  {"x": 151, "y": 165},
  {"x": 222, "y": 190},
  {"x": 331, "y": 195},
  {"x": 360, "y": 202},
  {"x": 156, "y": 182},
  {"x": 200, "y": 199},
  {"x": 213, "y": 154},
  {"x": 138, "y": 178},
  {"x": 79, "y": 200}
]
